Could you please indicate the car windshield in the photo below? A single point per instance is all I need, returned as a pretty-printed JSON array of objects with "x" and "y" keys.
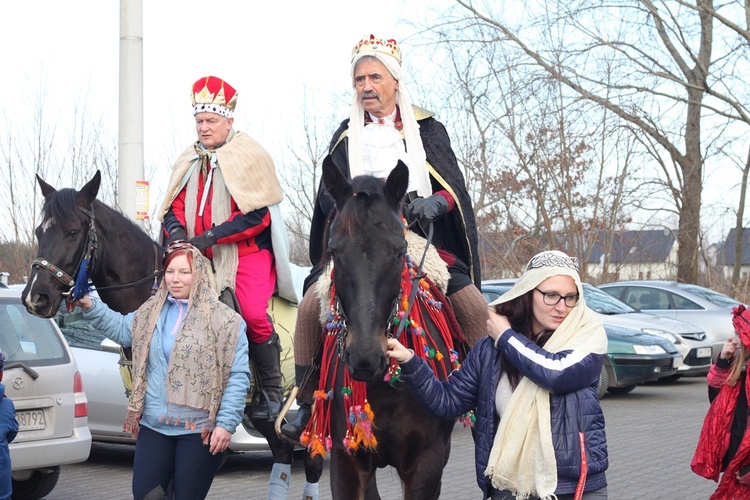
[
  {"x": 27, "y": 338},
  {"x": 717, "y": 298},
  {"x": 603, "y": 303}
]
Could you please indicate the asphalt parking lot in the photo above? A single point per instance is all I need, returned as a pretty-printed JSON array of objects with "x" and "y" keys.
[{"x": 651, "y": 432}]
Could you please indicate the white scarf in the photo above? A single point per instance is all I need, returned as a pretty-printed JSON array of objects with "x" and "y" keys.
[{"x": 417, "y": 158}]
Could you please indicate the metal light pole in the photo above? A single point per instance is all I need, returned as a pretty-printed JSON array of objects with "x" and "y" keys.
[{"x": 132, "y": 188}]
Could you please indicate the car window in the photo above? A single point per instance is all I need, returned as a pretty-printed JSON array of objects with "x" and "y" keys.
[
  {"x": 714, "y": 297},
  {"x": 614, "y": 290},
  {"x": 27, "y": 338},
  {"x": 646, "y": 299},
  {"x": 79, "y": 332},
  {"x": 683, "y": 303},
  {"x": 603, "y": 303}
]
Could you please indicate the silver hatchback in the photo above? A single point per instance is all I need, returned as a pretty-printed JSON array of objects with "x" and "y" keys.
[{"x": 41, "y": 378}]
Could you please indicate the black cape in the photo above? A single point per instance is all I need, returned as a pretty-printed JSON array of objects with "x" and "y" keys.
[{"x": 455, "y": 232}]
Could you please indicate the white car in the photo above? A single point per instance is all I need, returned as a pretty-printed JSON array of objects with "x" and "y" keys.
[
  {"x": 42, "y": 379},
  {"x": 99, "y": 363},
  {"x": 697, "y": 305}
]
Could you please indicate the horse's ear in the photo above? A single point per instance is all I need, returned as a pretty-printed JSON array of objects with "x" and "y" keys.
[
  {"x": 88, "y": 193},
  {"x": 397, "y": 184},
  {"x": 337, "y": 185},
  {"x": 47, "y": 190}
]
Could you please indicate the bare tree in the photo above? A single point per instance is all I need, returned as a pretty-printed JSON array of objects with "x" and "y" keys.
[
  {"x": 659, "y": 86},
  {"x": 300, "y": 172},
  {"x": 543, "y": 169}
]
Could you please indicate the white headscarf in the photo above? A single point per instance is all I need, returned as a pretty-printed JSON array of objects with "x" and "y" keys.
[{"x": 419, "y": 177}]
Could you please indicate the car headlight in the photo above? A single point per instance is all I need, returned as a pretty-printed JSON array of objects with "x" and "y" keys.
[
  {"x": 675, "y": 339},
  {"x": 649, "y": 349}
]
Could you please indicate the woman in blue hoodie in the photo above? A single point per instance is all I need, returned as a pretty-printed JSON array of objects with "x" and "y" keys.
[
  {"x": 532, "y": 384},
  {"x": 190, "y": 377}
]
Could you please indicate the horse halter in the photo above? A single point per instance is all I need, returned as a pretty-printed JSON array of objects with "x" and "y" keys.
[{"x": 89, "y": 252}]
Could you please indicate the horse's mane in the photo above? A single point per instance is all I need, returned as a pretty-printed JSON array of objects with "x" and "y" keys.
[{"x": 63, "y": 205}]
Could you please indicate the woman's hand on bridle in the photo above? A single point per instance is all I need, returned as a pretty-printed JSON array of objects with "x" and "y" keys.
[{"x": 85, "y": 303}]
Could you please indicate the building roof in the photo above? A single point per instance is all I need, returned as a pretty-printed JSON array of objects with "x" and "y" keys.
[
  {"x": 725, "y": 255},
  {"x": 636, "y": 247}
]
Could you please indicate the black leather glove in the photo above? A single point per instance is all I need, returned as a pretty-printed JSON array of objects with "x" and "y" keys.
[
  {"x": 175, "y": 234},
  {"x": 426, "y": 210},
  {"x": 203, "y": 241}
]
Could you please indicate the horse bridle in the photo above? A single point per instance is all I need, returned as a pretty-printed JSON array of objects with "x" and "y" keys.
[
  {"x": 89, "y": 251},
  {"x": 340, "y": 317}
]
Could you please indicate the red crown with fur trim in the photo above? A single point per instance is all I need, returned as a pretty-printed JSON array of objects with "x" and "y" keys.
[
  {"x": 213, "y": 95},
  {"x": 371, "y": 45}
]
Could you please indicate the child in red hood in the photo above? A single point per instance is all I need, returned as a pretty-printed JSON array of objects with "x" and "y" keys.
[{"x": 723, "y": 445}]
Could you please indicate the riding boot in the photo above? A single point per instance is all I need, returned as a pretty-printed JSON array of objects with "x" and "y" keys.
[
  {"x": 269, "y": 394},
  {"x": 294, "y": 428}
]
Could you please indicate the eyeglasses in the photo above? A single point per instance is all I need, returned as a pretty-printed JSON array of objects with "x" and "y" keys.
[{"x": 552, "y": 299}]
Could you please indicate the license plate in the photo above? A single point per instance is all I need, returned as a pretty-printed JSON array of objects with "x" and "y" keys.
[
  {"x": 678, "y": 362},
  {"x": 31, "y": 420},
  {"x": 704, "y": 352}
]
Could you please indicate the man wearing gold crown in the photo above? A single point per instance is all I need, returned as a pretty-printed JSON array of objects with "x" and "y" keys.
[
  {"x": 223, "y": 196},
  {"x": 385, "y": 127}
]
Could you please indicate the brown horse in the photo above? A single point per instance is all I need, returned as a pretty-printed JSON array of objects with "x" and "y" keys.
[{"x": 367, "y": 247}]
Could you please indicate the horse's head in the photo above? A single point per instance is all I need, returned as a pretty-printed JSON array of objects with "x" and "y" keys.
[
  {"x": 367, "y": 245},
  {"x": 62, "y": 236}
]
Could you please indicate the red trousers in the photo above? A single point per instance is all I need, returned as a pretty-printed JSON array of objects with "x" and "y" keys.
[{"x": 255, "y": 283}]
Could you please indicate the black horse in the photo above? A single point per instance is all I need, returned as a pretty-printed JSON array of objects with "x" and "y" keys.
[
  {"x": 122, "y": 261},
  {"x": 367, "y": 246}
]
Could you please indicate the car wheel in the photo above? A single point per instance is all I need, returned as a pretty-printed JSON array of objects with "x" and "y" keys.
[
  {"x": 601, "y": 389},
  {"x": 621, "y": 390},
  {"x": 37, "y": 484}
]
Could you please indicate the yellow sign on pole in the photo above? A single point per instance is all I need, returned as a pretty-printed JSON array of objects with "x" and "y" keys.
[{"x": 141, "y": 200}]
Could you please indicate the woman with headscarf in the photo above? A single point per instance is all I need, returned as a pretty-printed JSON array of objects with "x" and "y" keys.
[
  {"x": 190, "y": 377},
  {"x": 724, "y": 444},
  {"x": 532, "y": 383}
]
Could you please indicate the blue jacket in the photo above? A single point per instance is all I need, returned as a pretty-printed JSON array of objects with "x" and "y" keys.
[
  {"x": 8, "y": 431},
  {"x": 118, "y": 328},
  {"x": 574, "y": 404}
]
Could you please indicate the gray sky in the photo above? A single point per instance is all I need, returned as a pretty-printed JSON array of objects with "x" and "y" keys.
[{"x": 273, "y": 53}]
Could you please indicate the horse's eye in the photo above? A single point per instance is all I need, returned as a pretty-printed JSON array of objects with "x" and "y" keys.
[{"x": 73, "y": 232}]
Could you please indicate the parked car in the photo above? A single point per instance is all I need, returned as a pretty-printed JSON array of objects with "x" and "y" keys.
[
  {"x": 705, "y": 308},
  {"x": 99, "y": 362},
  {"x": 690, "y": 341},
  {"x": 42, "y": 379},
  {"x": 632, "y": 357}
]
